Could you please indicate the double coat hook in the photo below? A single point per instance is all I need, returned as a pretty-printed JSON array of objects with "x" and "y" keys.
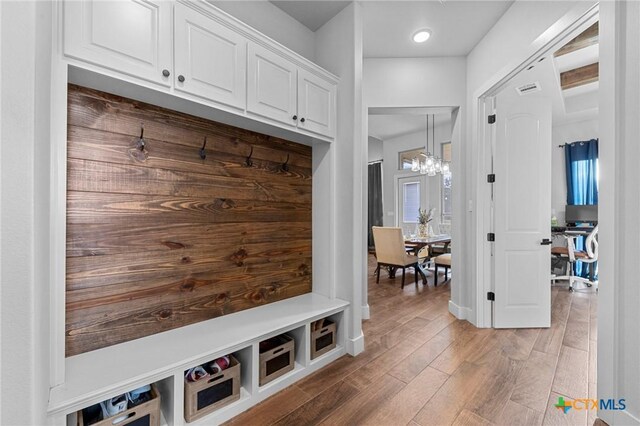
[
  {"x": 141, "y": 143},
  {"x": 248, "y": 161},
  {"x": 203, "y": 152},
  {"x": 285, "y": 165}
]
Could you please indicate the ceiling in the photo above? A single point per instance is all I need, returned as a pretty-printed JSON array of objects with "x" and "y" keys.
[
  {"x": 389, "y": 126},
  {"x": 568, "y": 105},
  {"x": 312, "y": 14},
  {"x": 457, "y": 26}
]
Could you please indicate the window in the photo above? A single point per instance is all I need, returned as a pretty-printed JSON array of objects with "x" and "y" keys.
[
  {"x": 406, "y": 157},
  {"x": 446, "y": 198},
  {"x": 410, "y": 202},
  {"x": 445, "y": 202}
]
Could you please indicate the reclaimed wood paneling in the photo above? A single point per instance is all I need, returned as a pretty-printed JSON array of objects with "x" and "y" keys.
[{"x": 160, "y": 238}]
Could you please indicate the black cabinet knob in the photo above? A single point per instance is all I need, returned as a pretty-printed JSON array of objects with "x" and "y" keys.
[
  {"x": 295, "y": 117},
  {"x": 166, "y": 73},
  {"x": 181, "y": 78},
  {"x": 545, "y": 242},
  {"x": 302, "y": 120}
]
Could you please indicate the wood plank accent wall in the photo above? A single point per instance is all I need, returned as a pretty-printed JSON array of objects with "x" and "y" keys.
[{"x": 161, "y": 239}]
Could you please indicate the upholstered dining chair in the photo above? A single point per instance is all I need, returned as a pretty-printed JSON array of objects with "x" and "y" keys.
[
  {"x": 444, "y": 261},
  {"x": 390, "y": 251}
]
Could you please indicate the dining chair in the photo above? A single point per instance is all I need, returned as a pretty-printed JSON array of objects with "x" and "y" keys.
[
  {"x": 443, "y": 260},
  {"x": 390, "y": 251}
]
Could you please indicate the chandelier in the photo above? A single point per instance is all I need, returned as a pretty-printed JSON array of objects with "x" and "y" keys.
[{"x": 431, "y": 164}]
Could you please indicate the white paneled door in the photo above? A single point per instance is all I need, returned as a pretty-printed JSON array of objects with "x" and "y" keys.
[
  {"x": 522, "y": 206},
  {"x": 128, "y": 36},
  {"x": 271, "y": 85},
  {"x": 211, "y": 59}
]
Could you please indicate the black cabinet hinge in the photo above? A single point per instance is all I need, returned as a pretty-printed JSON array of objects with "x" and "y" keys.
[
  {"x": 491, "y": 236},
  {"x": 492, "y": 118},
  {"x": 491, "y": 178},
  {"x": 491, "y": 296}
]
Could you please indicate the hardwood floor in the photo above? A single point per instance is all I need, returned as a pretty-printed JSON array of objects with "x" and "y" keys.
[{"x": 423, "y": 367}]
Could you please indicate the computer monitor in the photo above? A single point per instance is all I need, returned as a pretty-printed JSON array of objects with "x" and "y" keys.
[{"x": 585, "y": 214}]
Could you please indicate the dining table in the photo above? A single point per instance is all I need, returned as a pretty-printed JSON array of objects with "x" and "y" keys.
[{"x": 418, "y": 243}]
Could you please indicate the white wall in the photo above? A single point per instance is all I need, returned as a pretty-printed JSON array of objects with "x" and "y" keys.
[
  {"x": 25, "y": 52},
  {"x": 339, "y": 50},
  {"x": 507, "y": 45},
  {"x": 375, "y": 149},
  {"x": 619, "y": 201},
  {"x": 391, "y": 150},
  {"x": 270, "y": 20},
  {"x": 566, "y": 133}
]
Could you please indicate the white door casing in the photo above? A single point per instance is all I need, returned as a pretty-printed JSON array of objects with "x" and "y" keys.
[
  {"x": 522, "y": 206},
  {"x": 271, "y": 85},
  {"x": 132, "y": 37},
  {"x": 210, "y": 59}
]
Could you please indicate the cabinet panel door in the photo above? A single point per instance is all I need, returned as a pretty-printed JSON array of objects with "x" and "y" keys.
[
  {"x": 132, "y": 37},
  {"x": 316, "y": 104},
  {"x": 271, "y": 85},
  {"x": 211, "y": 57}
]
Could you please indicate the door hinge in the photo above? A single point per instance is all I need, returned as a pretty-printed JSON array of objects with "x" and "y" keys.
[
  {"x": 491, "y": 236},
  {"x": 491, "y": 178},
  {"x": 491, "y": 296},
  {"x": 492, "y": 118}
]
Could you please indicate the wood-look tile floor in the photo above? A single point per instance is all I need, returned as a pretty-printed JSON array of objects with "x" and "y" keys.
[{"x": 421, "y": 366}]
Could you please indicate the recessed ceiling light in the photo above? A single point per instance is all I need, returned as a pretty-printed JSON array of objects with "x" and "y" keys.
[{"x": 422, "y": 35}]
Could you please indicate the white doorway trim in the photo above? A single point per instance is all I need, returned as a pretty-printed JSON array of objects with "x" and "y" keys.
[{"x": 482, "y": 101}]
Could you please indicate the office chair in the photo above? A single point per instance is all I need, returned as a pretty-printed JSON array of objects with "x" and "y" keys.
[{"x": 572, "y": 256}]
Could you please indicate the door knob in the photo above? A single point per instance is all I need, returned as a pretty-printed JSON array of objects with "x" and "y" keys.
[
  {"x": 545, "y": 242},
  {"x": 166, "y": 73},
  {"x": 181, "y": 78}
]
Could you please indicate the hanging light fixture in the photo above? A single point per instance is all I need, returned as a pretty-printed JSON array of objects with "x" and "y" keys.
[{"x": 432, "y": 164}]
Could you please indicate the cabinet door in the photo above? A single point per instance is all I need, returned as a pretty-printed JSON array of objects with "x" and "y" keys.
[
  {"x": 271, "y": 85},
  {"x": 211, "y": 60},
  {"x": 129, "y": 36},
  {"x": 316, "y": 104}
]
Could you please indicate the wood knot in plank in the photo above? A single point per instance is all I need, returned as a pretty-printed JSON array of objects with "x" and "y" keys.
[
  {"x": 224, "y": 203},
  {"x": 239, "y": 256},
  {"x": 304, "y": 270},
  {"x": 173, "y": 245},
  {"x": 165, "y": 314},
  {"x": 188, "y": 285},
  {"x": 185, "y": 260}
]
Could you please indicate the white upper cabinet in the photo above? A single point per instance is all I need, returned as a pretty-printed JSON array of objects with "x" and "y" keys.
[
  {"x": 210, "y": 59},
  {"x": 194, "y": 51},
  {"x": 316, "y": 104},
  {"x": 129, "y": 36},
  {"x": 271, "y": 86}
]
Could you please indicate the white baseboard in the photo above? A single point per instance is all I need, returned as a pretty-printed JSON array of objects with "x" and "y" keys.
[
  {"x": 355, "y": 346},
  {"x": 460, "y": 312},
  {"x": 365, "y": 312}
]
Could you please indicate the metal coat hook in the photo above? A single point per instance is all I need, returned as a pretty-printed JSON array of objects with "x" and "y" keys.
[
  {"x": 248, "y": 161},
  {"x": 141, "y": 142},
  {"x": 203, "y": 153},
  {"x": 285, "y": 166}
]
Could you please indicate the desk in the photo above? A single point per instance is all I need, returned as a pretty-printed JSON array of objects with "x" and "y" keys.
[{"x": 418, "y": 243}]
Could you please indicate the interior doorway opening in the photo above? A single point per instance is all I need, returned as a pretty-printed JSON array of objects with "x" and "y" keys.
[{"x": 411, "y": 187}]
